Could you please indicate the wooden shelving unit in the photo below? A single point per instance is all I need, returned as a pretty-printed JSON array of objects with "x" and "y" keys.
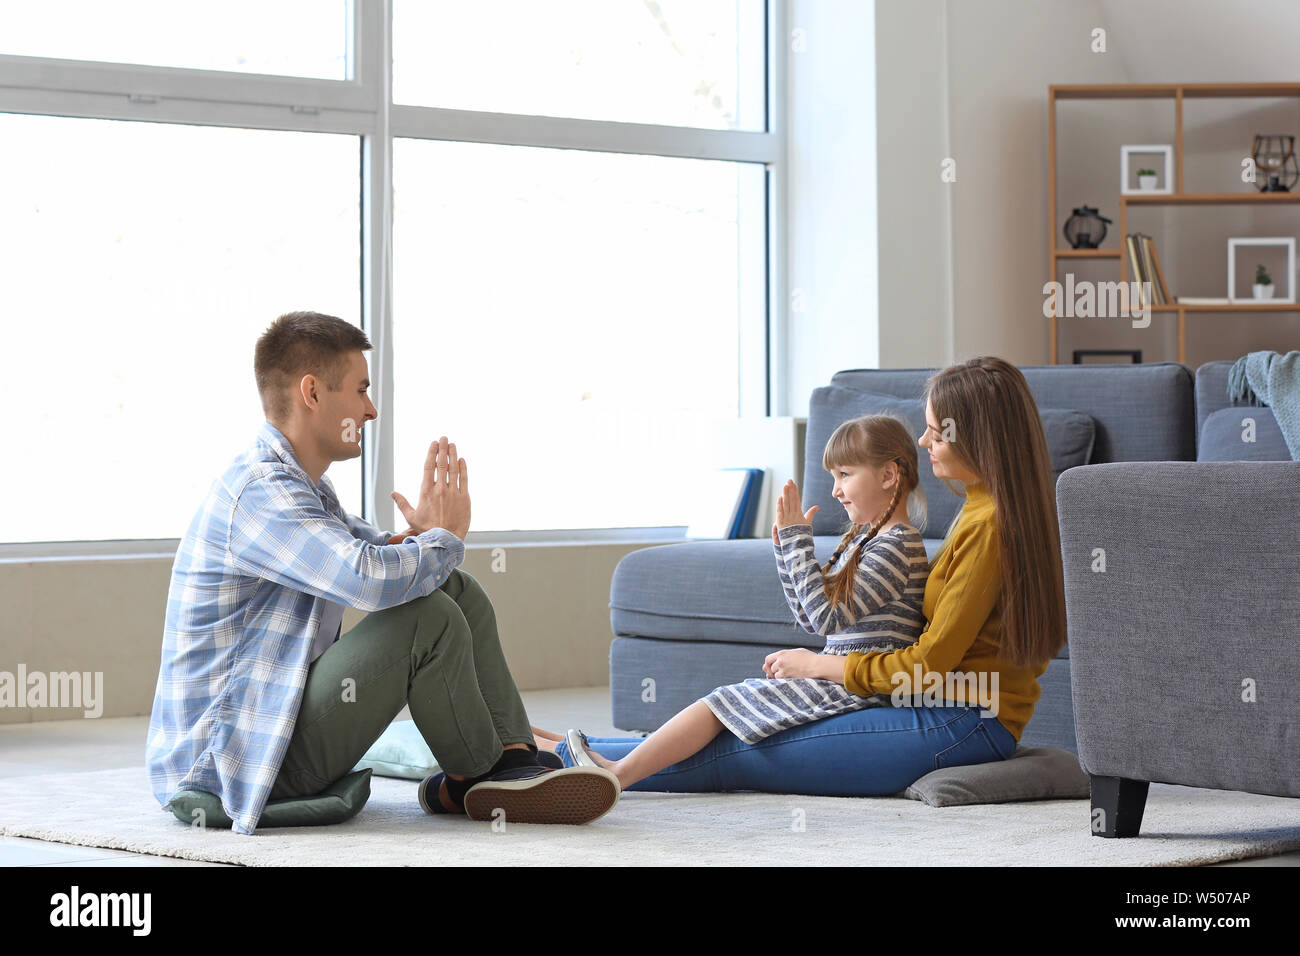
[{"x": 1178, "y": 93}]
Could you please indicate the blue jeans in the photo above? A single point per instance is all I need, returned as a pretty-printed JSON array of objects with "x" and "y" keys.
[{"x": 873, "y": 752}]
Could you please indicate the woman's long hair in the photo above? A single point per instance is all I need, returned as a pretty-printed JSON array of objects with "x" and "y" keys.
[
  {"x": 999, "y": 436},
  {"x": 870, "y": 440}
]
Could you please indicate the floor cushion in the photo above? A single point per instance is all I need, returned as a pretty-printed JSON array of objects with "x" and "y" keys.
[
  {"x": 401, "y": 752},
  {"x": 341, "y": 800},
  {"x": 1031, "y": 773}
]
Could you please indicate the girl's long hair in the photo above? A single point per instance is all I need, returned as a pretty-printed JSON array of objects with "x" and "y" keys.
[
  {"x": 870, "y": 440},
  {"x": 999, "y": 436}
]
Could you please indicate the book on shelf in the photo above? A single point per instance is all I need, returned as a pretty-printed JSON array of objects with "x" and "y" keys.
[
  {"x": 1130, "y": 249},
  {"x": 1165, "y": 297},
  {"x": 1145, "y": 265},
  {"x": 727, "y": 505},
  {"x": 1148, "y": 271}
]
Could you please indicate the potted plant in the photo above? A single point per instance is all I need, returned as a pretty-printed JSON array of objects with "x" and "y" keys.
[
  {"x": 1263, "y": 287},
  {"x": 1146, "y": 179}
]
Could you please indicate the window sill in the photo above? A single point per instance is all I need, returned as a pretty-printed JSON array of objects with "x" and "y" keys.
[{"x": 165, "y": 548}]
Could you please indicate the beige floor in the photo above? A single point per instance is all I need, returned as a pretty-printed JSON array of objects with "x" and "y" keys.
[{"x": 70, "y": 745}]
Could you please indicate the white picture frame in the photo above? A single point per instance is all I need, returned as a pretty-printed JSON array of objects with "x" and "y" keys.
[
  {"x": 1165, "y": 152},
  {"x": 1235, "y": 242}
]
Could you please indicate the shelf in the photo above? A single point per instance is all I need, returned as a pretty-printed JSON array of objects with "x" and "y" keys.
[
  {"x": 1129, "y": 91},
  {"x": 1175, "y": 95},
  {"x": 1211, "y": 199},
  {"x": 1241, "y": 307}
]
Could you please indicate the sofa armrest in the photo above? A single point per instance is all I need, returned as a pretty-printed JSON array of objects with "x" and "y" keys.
[{"x": 1185, "y": 649}]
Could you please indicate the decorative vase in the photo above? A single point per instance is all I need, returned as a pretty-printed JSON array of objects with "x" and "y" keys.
[
  {"x": 1275, "y": 163},
  {"x": 1146, "y": 182},
  {"x": 1262, "y": 291},
  {"x": 1085, "y": 229}
]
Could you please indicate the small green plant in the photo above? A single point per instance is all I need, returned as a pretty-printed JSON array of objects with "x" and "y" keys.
[
  {"x": 1261, "y": 275},
  {"x": 1146, "y": 172}
]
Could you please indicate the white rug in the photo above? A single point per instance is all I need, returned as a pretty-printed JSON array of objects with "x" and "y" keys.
[{"x": 1182, "y": 826}]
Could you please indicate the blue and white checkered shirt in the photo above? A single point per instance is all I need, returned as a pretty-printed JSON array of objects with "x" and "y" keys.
[{"x": 249, "y": 587}]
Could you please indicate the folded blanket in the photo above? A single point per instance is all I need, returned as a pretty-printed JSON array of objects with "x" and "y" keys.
[{"x": 1274, "y": 380}]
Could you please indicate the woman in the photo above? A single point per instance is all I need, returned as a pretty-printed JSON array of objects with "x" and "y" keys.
[{"x": 995, "y": 617}]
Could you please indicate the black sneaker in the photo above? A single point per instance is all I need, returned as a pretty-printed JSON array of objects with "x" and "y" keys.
[
  {"x": 574, "y": 795},
  {"x": 427, "y": 793},
  {"x": 549, "y": 759}
]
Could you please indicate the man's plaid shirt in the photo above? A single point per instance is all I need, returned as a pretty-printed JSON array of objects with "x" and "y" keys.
[{"x": 243, "y": 608}]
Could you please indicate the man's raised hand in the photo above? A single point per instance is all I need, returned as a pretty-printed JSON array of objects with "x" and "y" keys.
[{"x": 444, "y": 492}]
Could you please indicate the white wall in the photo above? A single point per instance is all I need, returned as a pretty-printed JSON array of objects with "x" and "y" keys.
[
  {"x": 915, "y": 205},
  {"x": 831, "y": 205},
  {"x": 968, "y": 79}
]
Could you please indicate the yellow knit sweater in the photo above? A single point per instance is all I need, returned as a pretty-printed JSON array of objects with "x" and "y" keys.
[{"x": 962, "y": 608}]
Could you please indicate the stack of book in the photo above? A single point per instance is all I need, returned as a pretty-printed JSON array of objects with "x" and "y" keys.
[
  {"x": 1145, "y": 266},
  {"x": 727, "y": 505}
]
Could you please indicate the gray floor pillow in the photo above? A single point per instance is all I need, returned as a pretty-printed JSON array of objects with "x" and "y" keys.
[{"x": 1031, "y": 773}]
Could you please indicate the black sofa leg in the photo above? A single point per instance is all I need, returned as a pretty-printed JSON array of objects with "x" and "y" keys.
[{"x": 1117, "y": 805}]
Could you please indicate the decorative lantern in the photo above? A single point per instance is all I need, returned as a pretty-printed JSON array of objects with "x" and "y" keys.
[
  {"x": 1275, "y": 164},
  {"x": 1085, "y": 229}
]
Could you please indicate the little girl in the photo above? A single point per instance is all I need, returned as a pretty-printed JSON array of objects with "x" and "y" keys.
[{"x": 867, "y": 597}]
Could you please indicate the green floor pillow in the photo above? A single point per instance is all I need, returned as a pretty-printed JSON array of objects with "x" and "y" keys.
[{"x": 341, "y": 800}]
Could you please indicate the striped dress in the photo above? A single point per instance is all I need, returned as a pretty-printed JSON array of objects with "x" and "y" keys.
[{"x": 887, "y": 596}]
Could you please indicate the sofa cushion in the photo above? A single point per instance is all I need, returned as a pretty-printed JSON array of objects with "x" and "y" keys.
[
  {"x": 1142, "y": 412},
  {"x": 1070, "y": 438},
  {"x": 1223, "y": 437},
  {"x": 1031, "y": 773},
  {"x": 718, "y": 591},
  {"x": 711, "y": 590},
  {"x": 708, "y": 590}
]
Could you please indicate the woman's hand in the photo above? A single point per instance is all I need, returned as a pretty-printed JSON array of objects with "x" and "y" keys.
[
  {"x": 801, "y": 662},
  {"x": 789, "y": 509}
]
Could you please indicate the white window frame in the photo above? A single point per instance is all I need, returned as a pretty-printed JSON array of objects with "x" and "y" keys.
[{"x": 362, "y": 105}]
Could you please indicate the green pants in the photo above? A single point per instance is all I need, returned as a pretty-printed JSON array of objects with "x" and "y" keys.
[{"x": 441, "y": 655}]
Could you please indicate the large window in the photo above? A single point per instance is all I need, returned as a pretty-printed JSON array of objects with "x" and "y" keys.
[
  {"x": 571, "y": 319},
  {"x": 140, "y": 262},
  {"x": 289, "y": 37},
  {"x": 555, "y": 221},
  {"x": 671, "y": 62}
]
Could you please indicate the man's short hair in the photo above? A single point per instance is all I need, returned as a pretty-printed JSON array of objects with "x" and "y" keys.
[{"x": 298, "y": 344}]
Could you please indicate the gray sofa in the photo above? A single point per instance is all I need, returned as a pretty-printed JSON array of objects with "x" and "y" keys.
[
  {"x": 1183, "y": 651},
  {"x": 1220, "y": 424},
  {"x": 690, "y": 616}
]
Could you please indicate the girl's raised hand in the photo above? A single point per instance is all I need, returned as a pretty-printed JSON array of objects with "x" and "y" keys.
[{"x": 789, "y": 509}]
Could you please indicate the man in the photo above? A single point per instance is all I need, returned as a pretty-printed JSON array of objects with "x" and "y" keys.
[{"x": 258, "y": 696}]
